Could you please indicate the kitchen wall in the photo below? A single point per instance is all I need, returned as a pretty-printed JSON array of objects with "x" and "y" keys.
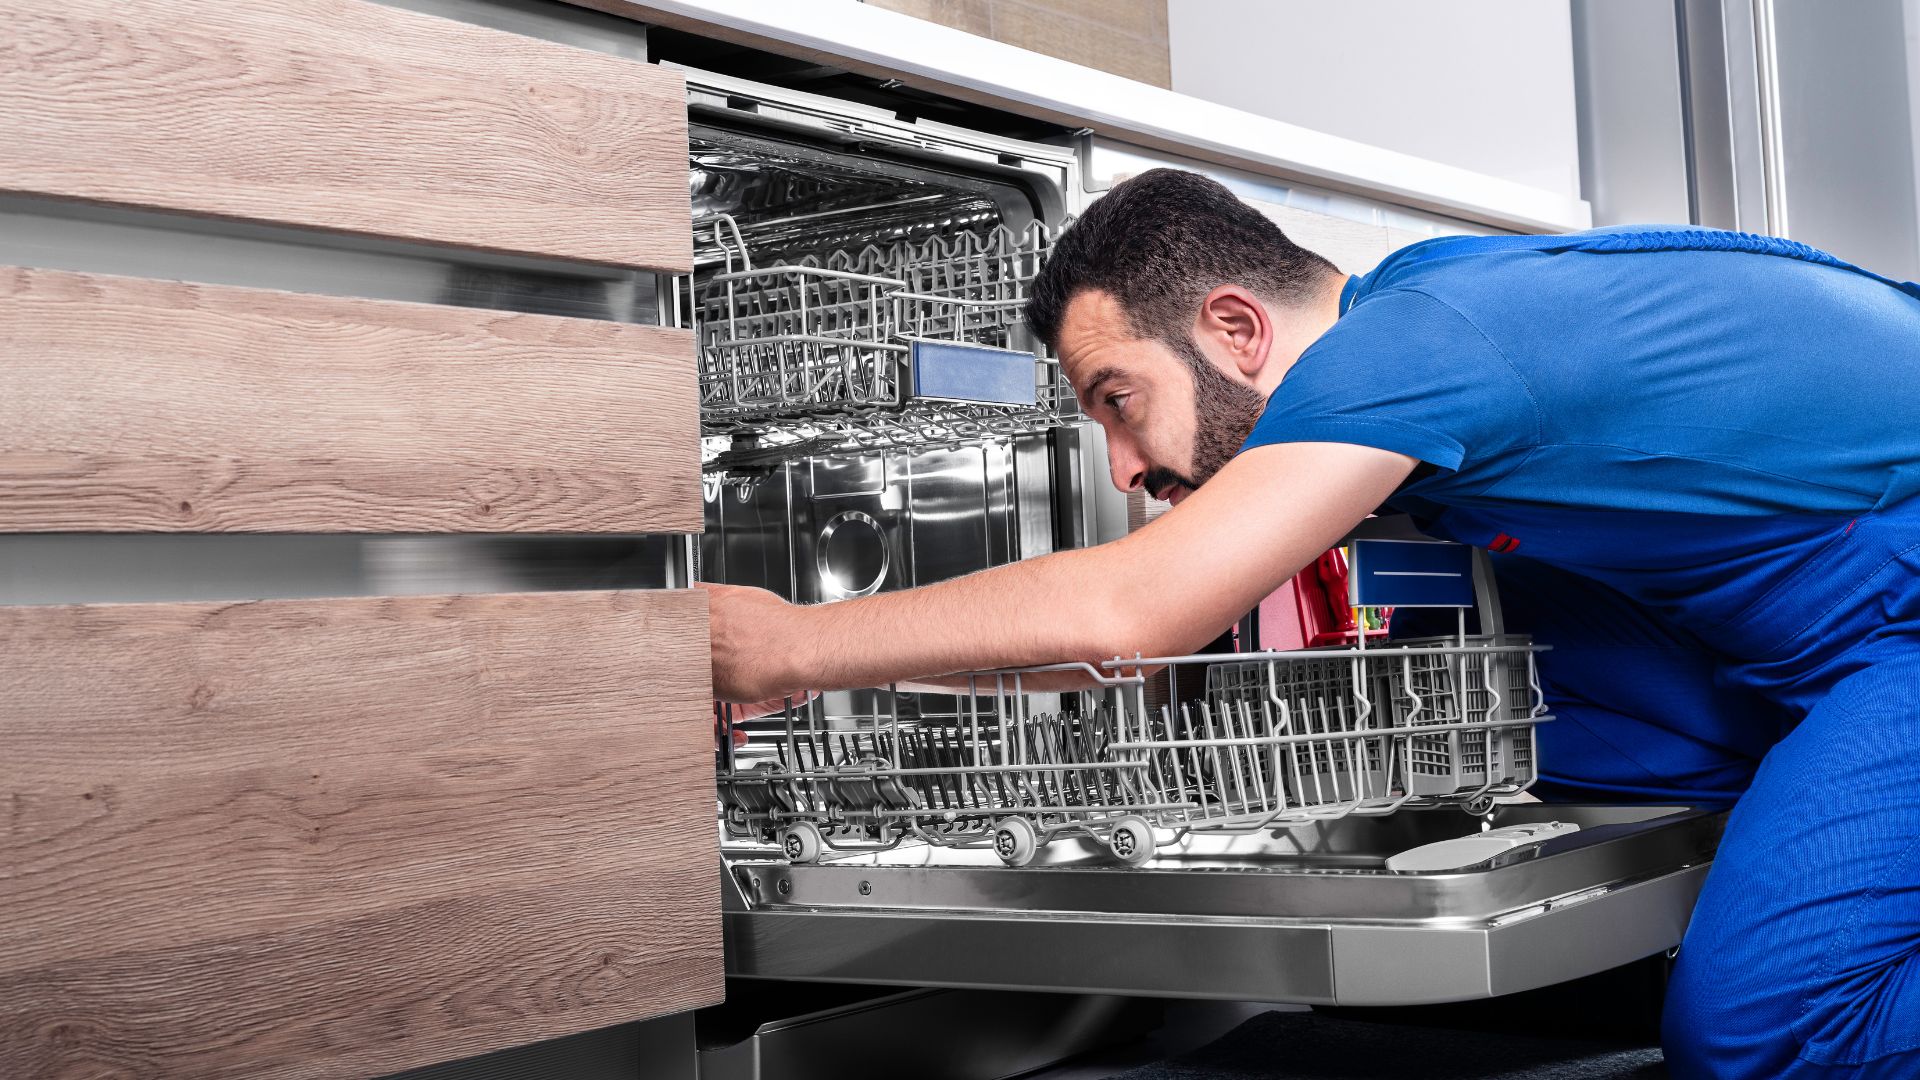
[
  {"x": 1846, "y": 75},
  {"x": 1911, "y": 11},
  {"x": 1848, "y": 78},
  {"x": 1633, "y": 124},
  {"x": 1486, "y": 86},
  {"x": 1126, "y": 37}
]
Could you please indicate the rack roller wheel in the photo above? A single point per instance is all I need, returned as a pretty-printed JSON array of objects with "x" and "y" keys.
[
  {"x": 1131, "y": 840},
  {"x": 1016, "y": 841},
  {"x": 801, "y": 841},
  {"x": 736, "y": 819}
]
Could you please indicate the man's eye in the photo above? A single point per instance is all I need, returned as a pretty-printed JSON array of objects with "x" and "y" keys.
[{"x": 1117, "y": 402}]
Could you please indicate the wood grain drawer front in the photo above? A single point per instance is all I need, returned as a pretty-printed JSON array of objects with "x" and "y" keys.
[
  {"x": 346, "y": 837},
  {"x": 136, "y": 405},
  {"x": 345, "y": 115}
]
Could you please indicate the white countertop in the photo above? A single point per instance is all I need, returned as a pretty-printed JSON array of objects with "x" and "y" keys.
[{"x": 877, "y": 42}]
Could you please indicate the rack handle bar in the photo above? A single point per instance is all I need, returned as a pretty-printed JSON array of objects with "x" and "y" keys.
[
  {"x": 804, "y": 339},
  {"x": 809, "y": 271},
  {"x": 1079, "y": 665},
  {"x": 1331, "y": 736},
  {"x": 1384, "y": 651},
  {"x": 957, "y": 301},
  {"x": 958, "y": 772}
]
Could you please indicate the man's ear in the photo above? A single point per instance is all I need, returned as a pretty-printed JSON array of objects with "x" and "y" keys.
[{"x": 1235, "y": 323}]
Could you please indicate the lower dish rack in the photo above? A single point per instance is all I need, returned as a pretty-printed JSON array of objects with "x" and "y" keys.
[
  {"x": 1284, "y": 837},
  {"x": 1286, "y": 827},
  {"x": 1276, "y": 739}
]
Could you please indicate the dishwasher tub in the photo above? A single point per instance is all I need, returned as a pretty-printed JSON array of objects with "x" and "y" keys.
[{"x": 1308, "y": 914}]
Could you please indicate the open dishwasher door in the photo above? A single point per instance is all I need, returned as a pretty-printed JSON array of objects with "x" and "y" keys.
[
  {"x": 1325, "y": 826},
  {"x": 1306, "y": 914}
]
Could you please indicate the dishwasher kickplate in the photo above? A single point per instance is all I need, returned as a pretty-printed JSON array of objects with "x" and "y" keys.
[{"x": 1307, "y": 914}]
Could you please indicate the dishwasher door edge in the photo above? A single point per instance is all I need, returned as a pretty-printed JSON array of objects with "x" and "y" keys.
[
  {"x": 1230, "y": 959},
  {"x": 1614, "y": 892},
  {"x": 1220, "y": 958},
  {"x": 1573, "y": 938}
]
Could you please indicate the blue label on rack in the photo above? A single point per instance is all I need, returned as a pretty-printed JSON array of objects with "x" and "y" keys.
[
  {"x": 1410, "y": 573},
  {"x": 953, "y": 372}
]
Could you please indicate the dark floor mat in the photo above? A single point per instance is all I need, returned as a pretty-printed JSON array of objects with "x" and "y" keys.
[{"x": 1304, "y": 1046}]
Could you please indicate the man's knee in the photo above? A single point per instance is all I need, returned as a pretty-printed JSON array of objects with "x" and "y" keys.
[
  {"x": 1710, "y": 1032},
  {"x": 1863, "y": 1021},
  {"x": 1736, "y": 988},
  {"x": 1735, "y": 1011}
]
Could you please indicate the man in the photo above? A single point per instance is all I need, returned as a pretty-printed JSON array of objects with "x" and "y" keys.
[{"x": 1701, "y": 452}]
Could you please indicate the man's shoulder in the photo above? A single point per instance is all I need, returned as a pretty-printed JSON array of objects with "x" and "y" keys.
[
  {"x": 1450, "y": 257},
  {"x": 1451, "y": 272},
  {"x": 1504, "y": 284}
]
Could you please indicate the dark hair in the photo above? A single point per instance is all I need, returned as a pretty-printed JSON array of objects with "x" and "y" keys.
[{"x": 1161, "y": 241}]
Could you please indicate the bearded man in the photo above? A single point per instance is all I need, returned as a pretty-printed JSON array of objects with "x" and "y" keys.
[{"x": 1699, "y": 455}]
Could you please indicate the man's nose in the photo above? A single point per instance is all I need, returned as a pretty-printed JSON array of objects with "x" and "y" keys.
[{"x": 1128, "y": 467}]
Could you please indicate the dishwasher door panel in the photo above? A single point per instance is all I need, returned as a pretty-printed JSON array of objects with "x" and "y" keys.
[
  {"x": 1306, "y": 914},
  {"x": 1016, "y": 950}
]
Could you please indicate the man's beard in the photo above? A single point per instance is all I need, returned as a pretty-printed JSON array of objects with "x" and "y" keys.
[{"x": 1224, "y": 413}]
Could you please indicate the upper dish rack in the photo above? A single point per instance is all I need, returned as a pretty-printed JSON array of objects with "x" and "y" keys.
[{"x": 914, "y": 344}]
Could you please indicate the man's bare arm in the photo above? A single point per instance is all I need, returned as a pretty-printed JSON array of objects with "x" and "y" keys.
[{"x": 1165, "y": 590}]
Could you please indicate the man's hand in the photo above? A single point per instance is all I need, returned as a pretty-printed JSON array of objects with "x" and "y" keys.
[
  {"x": 729, "y": 716},
  {"x": 753, "y": 631}
]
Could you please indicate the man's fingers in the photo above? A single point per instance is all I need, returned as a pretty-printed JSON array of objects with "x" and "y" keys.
[
  {"x": 725, "y": 714},
  {"x": 773, "y": 705},
  {"x": 726, "y": 717}
]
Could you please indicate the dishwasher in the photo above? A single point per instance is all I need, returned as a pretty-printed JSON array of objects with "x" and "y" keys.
[{"x": 1343, "y": 825}]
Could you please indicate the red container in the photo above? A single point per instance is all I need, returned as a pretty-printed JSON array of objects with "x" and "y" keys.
[{"x": 1311, "y": 610}]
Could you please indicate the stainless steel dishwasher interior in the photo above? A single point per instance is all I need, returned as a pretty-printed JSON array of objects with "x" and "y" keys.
[
  {"x": 832, "y": 505},
  {"x": 827, "y": 511}
]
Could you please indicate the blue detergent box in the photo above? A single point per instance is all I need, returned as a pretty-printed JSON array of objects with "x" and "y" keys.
[{"x": 950, "y": 371}]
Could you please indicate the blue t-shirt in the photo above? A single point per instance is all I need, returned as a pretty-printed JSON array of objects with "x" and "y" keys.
[{"x": 1677, "y": 412}]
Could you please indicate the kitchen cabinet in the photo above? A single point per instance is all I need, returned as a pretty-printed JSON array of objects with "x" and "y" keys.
[
  {"x": 165, "y": 406},
  {"x": 345, "y": 116},
  {"x": 343, "y": 835}
]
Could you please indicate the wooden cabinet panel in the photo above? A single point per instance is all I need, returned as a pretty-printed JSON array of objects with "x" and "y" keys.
[
  {"x": 334, "y": 837},
  {"x": 136, "y": 405},
  {"x": 350, "y": 116}
]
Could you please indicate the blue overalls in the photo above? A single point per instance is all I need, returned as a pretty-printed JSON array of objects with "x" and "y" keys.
[{"x": 1697, "y": 455}]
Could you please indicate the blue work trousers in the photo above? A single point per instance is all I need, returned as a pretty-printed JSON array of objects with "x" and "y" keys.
[{"x": 1801, "y": 706}]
